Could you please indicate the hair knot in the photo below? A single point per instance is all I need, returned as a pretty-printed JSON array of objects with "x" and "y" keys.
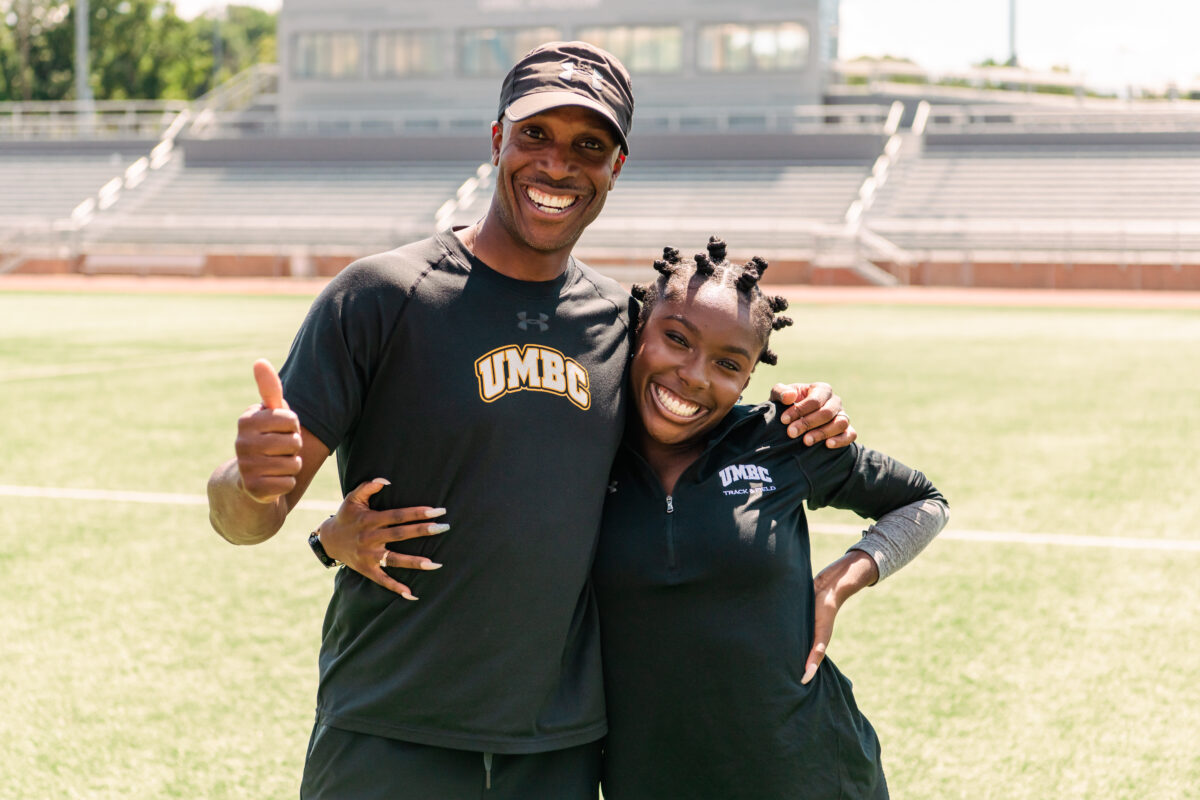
[
  {"x": 748, "y": 279},
  {"x": 716, "y": 249}
]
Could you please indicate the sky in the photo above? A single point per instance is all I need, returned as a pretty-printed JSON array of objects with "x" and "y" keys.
[{"x": 1110, "y": 43}]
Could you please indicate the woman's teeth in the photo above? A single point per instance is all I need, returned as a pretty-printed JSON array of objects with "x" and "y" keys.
[
  {"x": 675, "y": 404},
  {"x": 550, "y": 203}
]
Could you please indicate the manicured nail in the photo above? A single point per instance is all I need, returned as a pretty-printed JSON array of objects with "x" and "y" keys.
[
  {"x": 384, "y": 481},
  {"x": 440, "y": 527},
  {"x": 430, "y": 565},
  {"x": 409, "y": 596},
  {"x": 435, "y": 512}
]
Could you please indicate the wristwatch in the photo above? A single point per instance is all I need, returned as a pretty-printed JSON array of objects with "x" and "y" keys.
[{"x": 314, "y": 541}]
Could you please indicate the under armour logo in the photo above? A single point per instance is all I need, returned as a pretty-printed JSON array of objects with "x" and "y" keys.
[
  {"x": 525, "y": 322},
  {"x": 612, "y": 488},
  {"x": 570, "y": 68}
]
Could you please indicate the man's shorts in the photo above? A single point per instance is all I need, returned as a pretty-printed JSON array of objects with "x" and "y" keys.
[{"x": 343, "y": 764}]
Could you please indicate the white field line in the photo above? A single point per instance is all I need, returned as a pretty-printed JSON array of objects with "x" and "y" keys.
[
  {"x": 153, "y": 498},
  {"x": 1009, "y": 537},
  {"x": 166, "y": 360}
]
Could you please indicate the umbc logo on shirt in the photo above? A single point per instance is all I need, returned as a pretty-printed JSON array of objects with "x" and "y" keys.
[
  {"x": 519, "y": 368},
  {"x": 747, "y": 472}
]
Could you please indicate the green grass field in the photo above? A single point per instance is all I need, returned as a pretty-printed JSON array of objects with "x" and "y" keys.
[{"x": 143, "y": 657}]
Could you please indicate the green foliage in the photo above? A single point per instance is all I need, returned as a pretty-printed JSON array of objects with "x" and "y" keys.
[{"x": 138, "y": 49}]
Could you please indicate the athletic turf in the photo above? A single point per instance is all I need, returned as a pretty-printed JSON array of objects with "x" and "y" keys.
[{"x": 143, "y": 657}]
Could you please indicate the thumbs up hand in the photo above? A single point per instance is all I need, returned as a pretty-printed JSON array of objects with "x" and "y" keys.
[{"x": 268, "y": 441}]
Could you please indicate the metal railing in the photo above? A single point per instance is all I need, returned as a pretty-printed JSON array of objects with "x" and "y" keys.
[
  {"x": 470, "y": 122},
  {"x": 1141, "y": 118},
  {"x": 104, "y": 119}
]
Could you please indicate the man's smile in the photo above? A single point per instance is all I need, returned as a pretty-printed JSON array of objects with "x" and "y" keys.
[{"x": 548, "y": 202}]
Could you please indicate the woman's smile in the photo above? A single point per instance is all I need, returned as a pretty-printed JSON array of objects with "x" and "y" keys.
[{"x": 675, "y": 405}]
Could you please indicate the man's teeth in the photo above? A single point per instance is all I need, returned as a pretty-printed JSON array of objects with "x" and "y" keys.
[
  {"x": 675, "y": 404},
  {"x": 555, "y": 204}
]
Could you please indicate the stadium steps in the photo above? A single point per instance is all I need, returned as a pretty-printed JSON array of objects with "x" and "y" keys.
[
  {"x": 357, "y": 205},
  {"x": 756, "y": 205},
  {"x": 1050, "y": 199},
  {"x": 39, "y": 189}
]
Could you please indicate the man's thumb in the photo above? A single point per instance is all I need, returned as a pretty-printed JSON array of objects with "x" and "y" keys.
[{"x": 269, "y": 387}]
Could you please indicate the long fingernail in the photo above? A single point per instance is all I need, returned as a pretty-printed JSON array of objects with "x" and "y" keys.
[
  {"x": 384, "y": 481},
  {"x": 409, "y": 596},
  {"x": 435, "y": 512},
  {"x": 430, "y": 565},
  {"x": 440, "y": 527}
]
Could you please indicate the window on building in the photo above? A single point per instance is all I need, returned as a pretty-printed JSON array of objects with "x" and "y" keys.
[
  {"x": 403, "y": 54},
  {"x": 641, "y": 48},
  {"x": 326, "y": 55},
  {"x": 487, "y": 52},
  {"x": 770, "y": 47}
]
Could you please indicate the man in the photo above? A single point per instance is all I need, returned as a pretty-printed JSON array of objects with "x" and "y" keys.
[{"x": 472, "y": 383}]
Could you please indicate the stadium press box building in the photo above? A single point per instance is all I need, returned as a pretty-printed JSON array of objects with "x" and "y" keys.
[{"x": 367, "y": 55}]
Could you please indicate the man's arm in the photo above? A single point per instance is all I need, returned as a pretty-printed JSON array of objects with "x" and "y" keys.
[{"x": 249, "y": 496}]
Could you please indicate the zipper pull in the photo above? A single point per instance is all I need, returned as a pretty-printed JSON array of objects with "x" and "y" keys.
[
  {"x": 487, "y": 770},
  {"x": 670, "y": 505}
]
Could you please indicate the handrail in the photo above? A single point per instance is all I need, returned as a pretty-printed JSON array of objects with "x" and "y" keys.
[
  {"x": 240, "y": 89},
  {"x": 1147, "y": 227},
  {"x": 65, "y": 107},
  {"x": 973, "y": 119},
  {"x": 442, "y": 122},
  {"x": 104, "y": 119}
]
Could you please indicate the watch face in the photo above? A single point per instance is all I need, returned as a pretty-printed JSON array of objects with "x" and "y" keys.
[{"x": 314, "y": 541}]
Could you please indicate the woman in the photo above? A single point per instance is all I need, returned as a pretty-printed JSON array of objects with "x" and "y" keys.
[
  {"x": 713, "y": 630},
  {"x": 710, "y": 622}
]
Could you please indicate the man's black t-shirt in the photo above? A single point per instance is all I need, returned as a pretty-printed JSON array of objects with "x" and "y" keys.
[{"x": 502, "y": 401}]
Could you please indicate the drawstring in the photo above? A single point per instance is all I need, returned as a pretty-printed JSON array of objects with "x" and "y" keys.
[{"x": 487, "y": 770}]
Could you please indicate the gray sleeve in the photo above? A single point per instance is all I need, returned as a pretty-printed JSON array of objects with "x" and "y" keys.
[{"x": 898, "y": 536}]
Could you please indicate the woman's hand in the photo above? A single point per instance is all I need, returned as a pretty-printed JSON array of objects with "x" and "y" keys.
[
  {"x": 833, "y": 586},
  {"x": 813, "y": 407},
  {"x": 358, "y": 536}
]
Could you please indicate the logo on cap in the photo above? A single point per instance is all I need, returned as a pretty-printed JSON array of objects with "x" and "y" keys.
[{"x": 571, "y": 67}]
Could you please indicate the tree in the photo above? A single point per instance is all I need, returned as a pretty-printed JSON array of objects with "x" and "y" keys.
[{"x": 137, "y": 48}]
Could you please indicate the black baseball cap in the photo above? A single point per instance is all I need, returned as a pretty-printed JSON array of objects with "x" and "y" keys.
[{"x": 569, "y": 74}]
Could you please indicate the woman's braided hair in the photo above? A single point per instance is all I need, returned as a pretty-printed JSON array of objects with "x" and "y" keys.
[{"x": 678, "y": 277}]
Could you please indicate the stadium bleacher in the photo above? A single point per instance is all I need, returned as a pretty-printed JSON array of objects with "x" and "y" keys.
[
  {"x": 354, "y": 205},
  {"x": 980, "y": 186},
  {"x": 39, "y": 189},
  {"x": 1042, "y": 198},
  {"x": 767, "y": 205}
]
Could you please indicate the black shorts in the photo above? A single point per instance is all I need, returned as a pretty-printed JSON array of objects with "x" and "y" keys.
[{"x": 343, "y": 764}]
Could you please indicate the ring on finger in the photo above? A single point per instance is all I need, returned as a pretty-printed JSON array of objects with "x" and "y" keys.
[{"x": 383, "y": 558}]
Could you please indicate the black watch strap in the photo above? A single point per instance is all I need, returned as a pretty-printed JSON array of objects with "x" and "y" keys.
[{"x": 314, "y": 541}]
